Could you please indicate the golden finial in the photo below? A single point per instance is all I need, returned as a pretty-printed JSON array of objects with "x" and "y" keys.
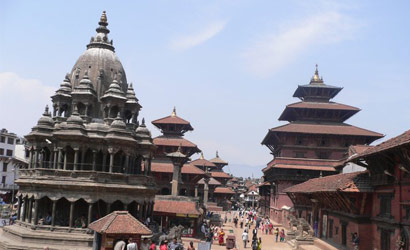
[
  {"x": 316, "y": 75},
  {"x": 103, "y": 17},
  {"x": 174, "y": 112},
  {"x": 202, "y": 156}
]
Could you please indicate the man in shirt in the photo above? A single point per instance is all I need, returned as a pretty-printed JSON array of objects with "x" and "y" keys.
[
  {"x": 120, "y": 245},
  {"x": 144, "y": 244},
  {"x": 132, "y": 245},
  {"x": 174, "y": 245}
]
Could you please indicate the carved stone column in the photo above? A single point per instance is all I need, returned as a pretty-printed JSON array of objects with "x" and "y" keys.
[
  {"x": 65, "y": 160},
  {"x": 90, "y": 213},
  {"x": 104, "y": 162},
  {"x": 18, "y": 207},
  {"x": 111, "y": 162},
  {"x": 36, "y": 204},
  {"x": 71, "y": 222},
  {"x": 25, "y": 206},
  {"x": 29, "y": 210},
  {"x": 94, "y": 160},
  {"x": 30, "y": 159},
  {"x": 60, "y": 155},
  {"x": 55, "y": 158},
  {"x": 51, "y": 160},
  {"x": 84, "y": 151},
  {"x": 53, "y": 214},
  {"x": 35, "y": 158},
  {"x": 127, "y": 165},
  {"x": 76, "y": 150}
]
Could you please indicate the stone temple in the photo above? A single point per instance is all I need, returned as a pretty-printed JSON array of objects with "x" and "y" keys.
[{"x": 88, "y": 158}]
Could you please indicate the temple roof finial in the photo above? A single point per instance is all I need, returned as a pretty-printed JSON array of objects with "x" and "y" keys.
[
  {"x": 180, "y": 148},
  {"x": 103, "y": 18},
  {"x": 217, "y": 155},
  {"x": 46, "y": 113},
  {"x": 174, "y": 112},
  {"x": 202, "y": 156},
  {"x": 316, "y": 77},
  {"x": 143, "y": 122}
]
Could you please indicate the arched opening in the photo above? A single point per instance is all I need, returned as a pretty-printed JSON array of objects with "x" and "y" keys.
[
  {"x": 45, "y": 206},
  {"x": 118, "y": 162},
  {"x": 117, "y": 206},
  {"x": 127, "y": 116},
  {"x": 70, "y": 157},
  {"x": 133, "y": 209},
  {"x": 81, "y": 108},
  {"x": 114, "y": 111},
  {"x": 165, "y": 191},
  {"x": 87, "y": 163},
  {"x": 99, "y": 161},
  {"x": 80, "y": 213},
  {"x": 182, "y": 191},
  {"x": 99, "y": 210},
  {"x": 45, "y": 157},
  {"x": 62, "y": 212}
]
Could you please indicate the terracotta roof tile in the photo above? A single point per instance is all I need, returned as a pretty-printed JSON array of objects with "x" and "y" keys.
[
  {"x": 163, "y": 167},
  {"x": 212, "y": 181},
  {"x": 173, "y": 141},
  {"x": 310, "y": 128},
  {"x": 203, "y": 163},
  {"x": 119, "y": 222},
  {"x": 218, "y": 174},
  {"x": 302, "y": 167},
  {"x": 389, "y": 144},
  {"x": 176, "y": 207},
  {"x": 350, "y": 182},
  {"x": 322, "y": 105},
  {"x": 170, "y": 120},
  {"x": 223, "y": 190}
]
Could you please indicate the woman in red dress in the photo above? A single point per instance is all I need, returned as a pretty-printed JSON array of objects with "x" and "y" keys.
[{"x": 221, "y": 237}]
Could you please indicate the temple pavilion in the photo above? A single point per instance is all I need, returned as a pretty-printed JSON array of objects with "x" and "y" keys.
[
  {"x": 88, "y": 156},
  {"x": 311, "y": 144}
]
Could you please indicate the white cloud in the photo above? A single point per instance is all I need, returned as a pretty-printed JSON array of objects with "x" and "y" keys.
[
  {"x": 195, "y": 39},
  {"x": 22, "y": 102},
  {"x": 273, "y": 51}
]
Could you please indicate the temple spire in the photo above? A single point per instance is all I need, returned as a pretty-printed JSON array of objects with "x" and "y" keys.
[
  {"x": 101, "y": 39},
  {"x": 174, "y": 112},
  {"x": 316, "y": 78}
]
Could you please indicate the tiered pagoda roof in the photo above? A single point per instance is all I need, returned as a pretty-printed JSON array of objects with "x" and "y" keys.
[
  {"x": 173, "y": 124},
  {"x": 312, "y": 122}
]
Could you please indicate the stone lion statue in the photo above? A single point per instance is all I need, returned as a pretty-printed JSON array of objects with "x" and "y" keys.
[{"x": 175, "y": 231}]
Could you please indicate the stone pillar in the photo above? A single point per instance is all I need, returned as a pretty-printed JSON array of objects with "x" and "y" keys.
[
  {"x": 42, "y": 154},
  {"x": 55, "y": 158},
  {"x": 175, "y": 179},
  {"x": 35, "y": 158},
  {"x": 65, "y": 160},
  {"x": 111, "y": 162},
  {"x": 76, "y": 158},
  {"x": 90, "y": 213},
  {"x": 206, "y": 190},
  {"x": 25, "y": 209},
  {"x": 71, "y": 221},
  {"x": 94, "y": 160},
  {"x": 104, "y": 162},
  {"x": 127, "y": 164},
  {"x": 51, "y": 162},
  {"x": 84, "y": 151},
  {"x": 60, "y": 155},
  {"x": 30, "y": 159},
  {"x": 53, "y": 214},
  {"x": 29, "y": 210},
  {"x": 36, "y": 204},
  {"x": 196, "y": 190},
  {"x": 18, "y": 207}
]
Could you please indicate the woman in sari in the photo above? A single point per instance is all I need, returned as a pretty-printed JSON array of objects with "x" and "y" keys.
[{"x": 221, "y": 237}]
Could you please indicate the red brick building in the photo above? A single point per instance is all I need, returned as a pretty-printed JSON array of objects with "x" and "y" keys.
[
  {"x": 374, "y": 203},
  {"x": 311, "y": 144}
]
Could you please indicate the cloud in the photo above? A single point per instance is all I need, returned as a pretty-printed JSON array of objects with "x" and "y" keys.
[
  {"x": 195, "y": 39},
  {"x": 22, "y": 102},
  {"x": 273, "y": 51}
]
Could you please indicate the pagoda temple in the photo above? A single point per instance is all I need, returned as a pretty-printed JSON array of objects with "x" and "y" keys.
[
  {"x": 86, "y": 158},
  {"x": 311, "y": 144}
]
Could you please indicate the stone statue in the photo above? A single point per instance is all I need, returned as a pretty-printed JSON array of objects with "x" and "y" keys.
[
  {"x": 175, "y": 231},
  {"x": 304, "y": 230}
]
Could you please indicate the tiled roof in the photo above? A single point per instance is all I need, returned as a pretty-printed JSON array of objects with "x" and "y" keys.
[
  {"x": 223, "y": 190},
  {"x": 212, "y": 181},
  {"x": 322, "y": 105},
  {"x": 163, "y": 167},
  {"x": 119, "y": 222},
  {"x": 350, "y": 182},
  {"x": 218, "y": 174},
  {"x": 173, "y": 141},
  {"x": 389, "y": 144},
  {"x": 310, "y": 128},
  {"x": 203, "y": 163},
  {"x": 176, "y": 207},
  {"x": 171, "y": 120},
  {"x": 305, "y": 167}
]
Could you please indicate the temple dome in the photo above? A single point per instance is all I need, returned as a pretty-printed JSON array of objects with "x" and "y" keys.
[
  {"x": 46, "y": 119},
  {"x": 101, "y": 62}
]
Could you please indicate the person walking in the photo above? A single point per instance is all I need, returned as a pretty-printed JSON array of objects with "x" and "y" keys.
[
  {"x": 245, "y": 238},
  {"x": 191, "y": 246},
  {"x": 254, "y": 244},
  {"x": 282, "y": 235},
  {"x": 221, "y": 236},
  {"x": 132, "y": 245},
  {"x": 355, "y": 241},
  {"x": 241, "y": 222},
  {"x": 260, "y": 243},
  {"x": 276, "y": 234}
]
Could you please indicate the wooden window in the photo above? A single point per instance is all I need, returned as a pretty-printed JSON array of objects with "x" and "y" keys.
[
  {"x": 384, "y": 239},
  {"x": 2, "y": 139},
  {"x": 385, "y": 204},
  {"x": 5, "y": 166},
  {"x": 1, "y": 151},
  {"x": 3, "y": 180}
]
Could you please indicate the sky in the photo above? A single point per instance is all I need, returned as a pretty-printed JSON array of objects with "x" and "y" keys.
[{"x": 229, "y": 67}]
